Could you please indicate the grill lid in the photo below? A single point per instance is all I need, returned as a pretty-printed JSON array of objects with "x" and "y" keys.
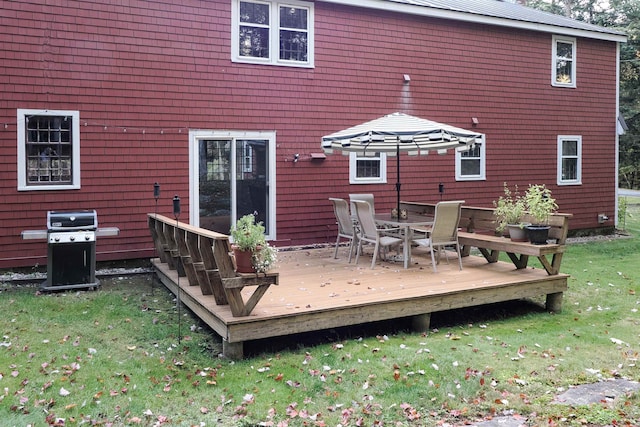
[{"x": 72, "y": 220}]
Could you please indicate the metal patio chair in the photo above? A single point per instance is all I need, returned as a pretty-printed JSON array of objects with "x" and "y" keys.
[
  {"x": 368, "y": 231},
  {"x": 444, "y": 231},
  {"x": 346, "y": 229}
]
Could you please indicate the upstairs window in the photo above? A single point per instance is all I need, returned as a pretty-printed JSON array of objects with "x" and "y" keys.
[
  {"x": 470, "y": 164},
  {"x": 569, "y": 160},
  {"x": 370, "y": 169},
  {"x": 563, "y": 71},
  {"x": 276, "y": 33},
  {"x": 48, "y": 150}
]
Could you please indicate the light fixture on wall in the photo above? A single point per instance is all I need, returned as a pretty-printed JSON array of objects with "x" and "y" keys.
[
  {"x": 474, "y": 121},
  {"x": 406, "y": 78}
]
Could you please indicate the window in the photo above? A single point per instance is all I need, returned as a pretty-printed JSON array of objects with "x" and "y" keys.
[
  {"x": 563, "y": 71},
  {"x": 369, "y": 169},
  {"x": 265, "y": 32},
  {"x": 569, "y": 160},
  {"x": 48, "y": 150},
  {"x": 470, "y": 164}
]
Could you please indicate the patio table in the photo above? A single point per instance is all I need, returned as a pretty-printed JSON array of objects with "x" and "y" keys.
[{"x": 412, "y": 220}]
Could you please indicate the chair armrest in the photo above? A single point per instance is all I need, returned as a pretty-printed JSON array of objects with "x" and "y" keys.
[{"x": 390, "y": 231}]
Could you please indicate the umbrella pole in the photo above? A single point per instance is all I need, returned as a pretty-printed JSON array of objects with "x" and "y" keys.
[{"x": 398, "y": 178}]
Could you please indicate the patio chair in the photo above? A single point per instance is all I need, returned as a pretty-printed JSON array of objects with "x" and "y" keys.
[
  {"x": 444, "y": 231},
  {"x": 368, "y": 232},
  {"x": 346, "y": 229},
  {"x": 366, "y": 197}
]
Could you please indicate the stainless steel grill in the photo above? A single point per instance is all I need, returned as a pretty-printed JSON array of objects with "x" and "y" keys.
[{"x": 71, "y": 248}]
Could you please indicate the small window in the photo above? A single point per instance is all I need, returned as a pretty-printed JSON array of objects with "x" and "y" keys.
[
  {"x": 563, "y": 73},
  {"x": 470, "y": 164},
  {"x": 266, "y": 32},
  {"x": 370, "y": 169},
  {"x": 48, "y": 150},
  {"x": 569, "y": 160}
]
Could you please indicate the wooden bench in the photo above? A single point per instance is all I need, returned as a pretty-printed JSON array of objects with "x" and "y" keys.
[
  {"x": 479, "y": 225},
  {"x": 204, "y": 258}
]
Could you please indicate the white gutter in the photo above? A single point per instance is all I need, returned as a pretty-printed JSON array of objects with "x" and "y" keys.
[{"x": 476, "y": 18}]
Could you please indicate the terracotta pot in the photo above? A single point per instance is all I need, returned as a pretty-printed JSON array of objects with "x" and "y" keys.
[{"x": 244, "y": 263}]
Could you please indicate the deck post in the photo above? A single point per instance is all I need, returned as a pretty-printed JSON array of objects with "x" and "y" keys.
[
  {"x": 232, "y": 350},
  {"x": 421, "y": 322},
  {"x": 554, "y": 302}
]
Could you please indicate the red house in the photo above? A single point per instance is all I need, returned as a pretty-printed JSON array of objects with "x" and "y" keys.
[{"x": 224, "y": 103}]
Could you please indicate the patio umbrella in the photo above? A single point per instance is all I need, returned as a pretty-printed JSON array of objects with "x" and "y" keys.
[{"x": 398, "y": 132}]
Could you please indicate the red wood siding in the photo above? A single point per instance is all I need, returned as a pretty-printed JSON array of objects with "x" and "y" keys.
[{"x": 143, "y": 74}]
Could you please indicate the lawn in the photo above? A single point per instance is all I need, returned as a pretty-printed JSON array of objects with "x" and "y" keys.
[{"x": 127, "y": 355}]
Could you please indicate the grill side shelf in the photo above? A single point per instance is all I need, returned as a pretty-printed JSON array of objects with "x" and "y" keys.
[{"x": 34, "y": 234}]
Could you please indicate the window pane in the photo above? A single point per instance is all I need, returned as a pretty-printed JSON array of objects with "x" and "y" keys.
[
  {"x": 368, "y": 168},
  {"x": 473, "y": 152},
  {"x": 564, "y": 50},
  {"x": 569, "y": 148},
  {"x": 569, "y": 169},
  {"x": 254, "y": 42},
  {"x": 293, "y": 45},
  {"x": 254, "y": 13},
  {"x": 470, "y": 167},
  {"x": 563, "y": 71},
  {"x": 48, "y": 148},
  {"x": 291, "y": 17},
  {"x": 564, "y": 62}
]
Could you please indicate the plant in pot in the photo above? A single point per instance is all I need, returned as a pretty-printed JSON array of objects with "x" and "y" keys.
[
  {"x": 540, "y": 205},
  {"x": 250, "y": 248},
  {"x": 509, "y": 209}
]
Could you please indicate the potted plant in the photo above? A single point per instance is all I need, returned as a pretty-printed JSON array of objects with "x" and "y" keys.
[
  {"x": 509, "y": 209},
  {"x": 250, "y": 248},
  {"x": 540, "y": 205}
]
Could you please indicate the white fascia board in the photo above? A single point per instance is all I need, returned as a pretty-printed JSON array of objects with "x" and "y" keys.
[{"x": 479, "y": 19}]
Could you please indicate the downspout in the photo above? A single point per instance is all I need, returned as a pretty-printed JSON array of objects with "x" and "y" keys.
[{"x": 617, "y": 151}]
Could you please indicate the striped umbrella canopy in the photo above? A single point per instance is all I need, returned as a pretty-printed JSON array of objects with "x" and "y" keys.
[{"x": 399, "y": 132}]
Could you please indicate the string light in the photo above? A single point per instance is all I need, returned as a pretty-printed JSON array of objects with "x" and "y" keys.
[{"x": 106, "y": 127}]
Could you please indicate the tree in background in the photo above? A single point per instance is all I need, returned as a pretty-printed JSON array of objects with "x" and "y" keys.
[{"x": 624, "y": 16}]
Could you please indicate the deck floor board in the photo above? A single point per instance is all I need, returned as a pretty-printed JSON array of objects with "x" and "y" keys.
[{"x": 318, "y": 292}]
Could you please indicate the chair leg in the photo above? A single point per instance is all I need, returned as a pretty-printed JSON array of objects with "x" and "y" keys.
[
  {"x": 375, "y": 254},
  {"x": 433, "y": 259},
  {"x": 446, "y": 256},
  {"x": 335, "y": 253},
  {"x": 459, "y": 256},
  {"x": 350, "y": 250}
]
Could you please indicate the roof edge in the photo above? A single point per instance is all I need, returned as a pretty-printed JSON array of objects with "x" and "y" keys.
[{"x": 432, "y": 12}]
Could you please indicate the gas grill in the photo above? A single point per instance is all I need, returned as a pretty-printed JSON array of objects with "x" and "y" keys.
[{"x": 71, "y": 248}]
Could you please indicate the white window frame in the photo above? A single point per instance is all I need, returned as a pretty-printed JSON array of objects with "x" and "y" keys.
[
  {"x": 554, "y": 61},
  {"x": 22, "y": 117},
  {"x": 194, "y": 178},
  {"x": 353, "y": 168},
  {"x": 274, "y": 34},
  {"x": 561, "y": 140},
  {"x": 482, "y": 175}
]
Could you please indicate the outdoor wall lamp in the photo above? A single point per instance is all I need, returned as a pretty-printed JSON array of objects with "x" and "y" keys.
[
  {"x": 407, "y": 78},
  {"x": 475, "y": 121}
]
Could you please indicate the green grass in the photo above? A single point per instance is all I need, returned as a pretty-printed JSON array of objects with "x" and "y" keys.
[{"x": 112, "y": 357}]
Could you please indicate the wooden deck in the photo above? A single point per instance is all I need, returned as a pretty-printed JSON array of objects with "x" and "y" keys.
[{"x": 318, "y": 292}]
